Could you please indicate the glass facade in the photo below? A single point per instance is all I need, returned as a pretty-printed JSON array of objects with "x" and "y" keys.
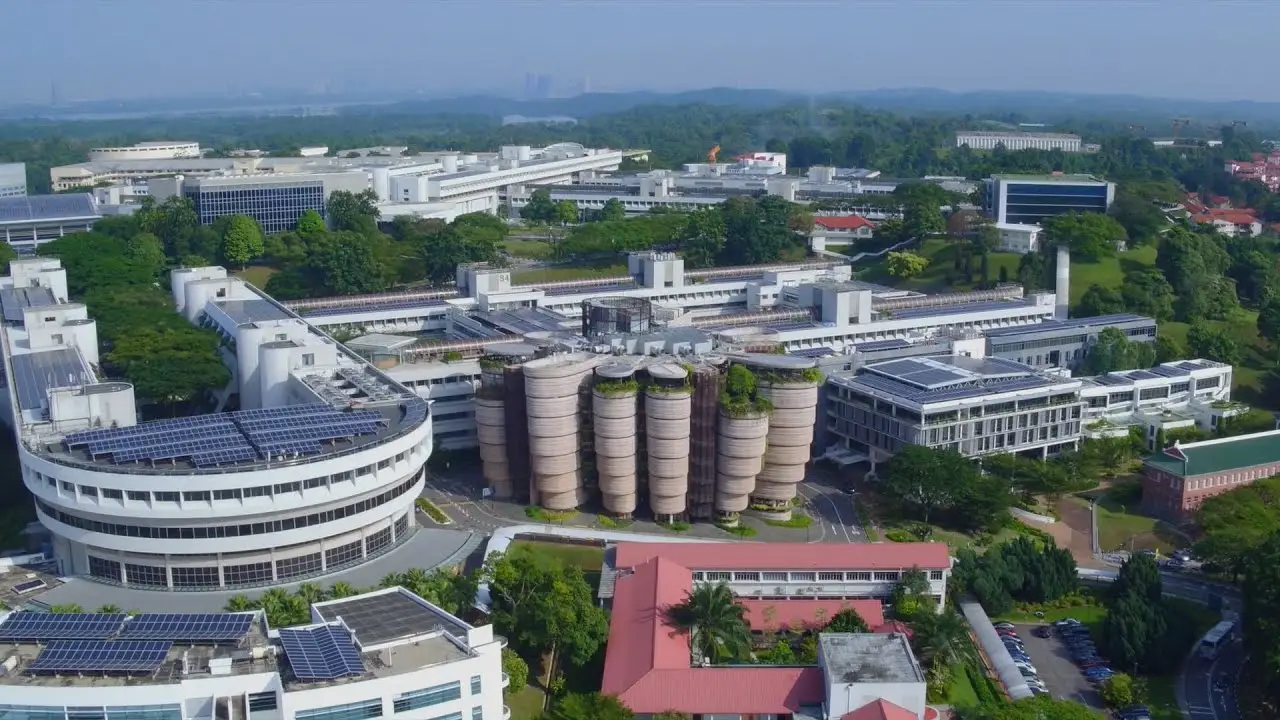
[
  {"x": 351, "y": 711},
  {"x": 428, "y": 697},
  {"x": 1029, "y": 203},
  {"x": 275, "y": 207},
  {"x": 123, "y": 712}
]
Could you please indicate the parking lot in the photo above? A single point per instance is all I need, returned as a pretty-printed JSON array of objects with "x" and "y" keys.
[{"x": 1053, "y": 663}]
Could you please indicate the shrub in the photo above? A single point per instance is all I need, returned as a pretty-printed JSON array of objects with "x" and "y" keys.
[
  {"x": 432, "y": 511},
  {"x": 739, "y": 530},
  {"x": 517, "y": 670},
  {"x": 798, "y": 520}
]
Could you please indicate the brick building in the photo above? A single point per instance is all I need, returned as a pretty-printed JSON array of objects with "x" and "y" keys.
[{"x": 1176, "y": 480}]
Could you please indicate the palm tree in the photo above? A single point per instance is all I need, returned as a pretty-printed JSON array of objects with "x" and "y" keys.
[
  {"x": 341, "y": 590},
  {"x": 109, "y": 610},
  {"x": 939, "y": 637},
  {"x": 311, "y": 593},
  {"x": 714, "y": 620},
  {"x": 391, "y": 580},
  {"x": 240, "y": 603}
]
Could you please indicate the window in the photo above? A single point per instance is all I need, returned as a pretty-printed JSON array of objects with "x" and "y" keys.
[
  {"x": 309, "y": 359},
  {"x": 288, "y": 487},
  {"x": 301, "y": 565},
  {"x": 145, "y": 712},
  {"x": 104, "y": 569},
  {"x": 57, "y": 338},
  {"x": 149, "y": 575},
  {"x": 310, "y": 483},
  {"x": 475, "y": 684},
  {"x": 377, "y": 541},
  {"x": 166, "y": 496},
  {"x": 249, "y": 574},
  {"x": 343, "y": 554},
  {"x": 233, "y": 494},
  {"x": 860, "y": 575},
  {"x": 351, "y": 711},
  {"x": 477, "y": 713},
  {"x": 774, "y": 576},
  {"x": 263, "y": 701},
  {"x": 935, "y": 574},
  {"x": 196, "y": 496},
  {"x": 110, "y": 494},
  {"x": 196, "y": 577},
  {"x": 886, "y": 576},
  {"x": 88, "y": 491},
  {"x": 831, "y": 576},
  {"x": 139, "y": 495},
  {"x": 427, "y": 697}
]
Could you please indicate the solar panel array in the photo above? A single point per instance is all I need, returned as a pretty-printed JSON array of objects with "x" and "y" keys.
[
  {"x": 28, "y": 586},
  {"x": 221, "y": 439},
  {"x": 1170, "y": 371},
  {"x": 205, "y": 627},
  {"x": 27, "y": 208},
  {"x": 877, "y": 345},
  {"x": 596, "y": 290},
  {"x": 974, "y": 389},
  {"x": 321, "y": 653},
  {"x": 105, "y": 656},
  {"x": 1143, "y": 375},
  {"x": 959, "y": 309},
  {"x": 1112, "y": 380},
  {"x": 813, "y": 352},
  {"x": 27, "y": 626}
]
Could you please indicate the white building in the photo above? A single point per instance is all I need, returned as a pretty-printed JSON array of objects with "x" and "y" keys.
[
  {"x": 13, "y": 179},
  {"x": 318, "y": 470},
  {"x": 987, "y": 140},
  {"x": 1021, "y": 239},
  {"x": 1169, "y": 396},
  {"x": 158, "y": 150},
  {"x": 388, "y": 653},
  {"x": 28, "y": 221}
]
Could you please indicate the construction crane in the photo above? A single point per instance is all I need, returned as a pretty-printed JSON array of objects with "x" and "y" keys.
[{"x": 711, "y": 154}]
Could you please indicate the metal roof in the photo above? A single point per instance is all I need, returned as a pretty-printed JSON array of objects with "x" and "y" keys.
[
  {"x": 44, "y": 208},
  {"x": 1073, "y": 323},
  {"x": 35, "y": 373}
]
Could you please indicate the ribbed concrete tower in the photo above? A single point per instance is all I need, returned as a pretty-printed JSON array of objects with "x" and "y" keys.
[
  {"x": 795, "y": 403},
  {"x": 741, "y": 446},
  {"x": 491, "y": 416},
  {"x": 551, "y": 394},
  {"x": 613, "y": 405},
  {"x": 667, "y": 407}
]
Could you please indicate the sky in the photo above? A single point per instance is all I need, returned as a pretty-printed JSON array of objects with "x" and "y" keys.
[{"x": 128, "y": 49}]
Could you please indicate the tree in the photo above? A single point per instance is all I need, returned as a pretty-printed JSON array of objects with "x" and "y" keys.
[
  {"x": 241, "y": 240},
  {"x": 354, "y": 212},
  {"x": 943, "y": 486},
  {"x": 1235, "y": 524},
  {"x": 846, "y": 621},
  {"x": 566, "y": 212},
  {"x": 540, "y": 207},
  {"x": 1269, "y": 320},
  {"x": 1130, "y": 630},
  {"x": 1204, "y": 341},
  {"x": 1141, "y": 219},
  {"x": 1113, "y": 351},
  {"x": 703, "y": 238},
  {"x": 311, "y": 593},
  {"x": 889, "y": 232},
  {"x": 310, "y": 223},
  {"x": 169, "y": 365},
  {"x": 1139, "y": 576},
  {"x": 779, "y": 653},
  {"x": 613, "y": 210},
  {"x": 911, "y": 594},
  {"x": 1090, "y": 236},
  {"x": 346, "y": 265},
  {"x": 1099, "y": 300},
  {"x": 922, "y": 219},
  {"x": 593, "y": 706},
  {"x": 939, "y": 637},
  {"x": 517, "y": 671},
  {"x": 174, "y": 221},
  {"x": 1117, "y": 691},
  {"x": 671, "y": 715},
  {"x": 240, "y": 603},
  {"x": 542, "y": 605},
  {"x": 906, "y": 264},
  {"x": 146, "y": 251},
  {"x": 1261, "y": 621},
  {"x": 1169, "y": 349},
  {"x": 342, "y": 589},
  {"x": 715, "y": 622},
  {"x": 1147, "y": 292}
]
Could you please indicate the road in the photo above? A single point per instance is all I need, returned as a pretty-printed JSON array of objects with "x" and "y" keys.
[{"x": 1209, "y": 686}]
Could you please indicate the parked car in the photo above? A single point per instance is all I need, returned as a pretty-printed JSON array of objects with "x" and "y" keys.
[
  {"x": 1065, "y": 622},
  {"x": 1006, "y": 632},
  {"x": 1102, "y": 671},
  {"x": 999, "y": 625},
  {"x": 1025, "y": 665},
  {"x": 1041, "y": 631}
]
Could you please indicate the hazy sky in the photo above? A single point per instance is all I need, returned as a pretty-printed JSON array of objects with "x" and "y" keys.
[{"x": 163, "y": 48}]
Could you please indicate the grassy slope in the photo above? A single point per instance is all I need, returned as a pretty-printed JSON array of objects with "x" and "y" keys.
[
  {"x": 256, "y": 275},
  {"x": 533, "y": 276}
]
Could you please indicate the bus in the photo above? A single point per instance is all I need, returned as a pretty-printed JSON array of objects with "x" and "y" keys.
[{"x": 1216, "y": 638}]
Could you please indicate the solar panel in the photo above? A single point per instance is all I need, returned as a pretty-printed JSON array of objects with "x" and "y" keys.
[
  {"x": 1170, "y": 371},
  {"x": 28, "y": 586},
  {"x": 1111, "y": 380},
  {"x": 290, "y": 447},
  {"x": 813, "y": 352},
  {"x": 177, "y": 450},
  {"x": 149, "y": 428},
  {"x": 934, "y": 377},
  {"x": 224, "y": 456},
  {"x": 321, "y": 653},
  {"x": 1143, "y": 375},
  {"x": 877, "y": 345},
  {"x": 78, "y": 656},
  {"x": 188, "y": 627},
  {"x": 26, "y": 626},
  {"x": 373, "y": 307}
]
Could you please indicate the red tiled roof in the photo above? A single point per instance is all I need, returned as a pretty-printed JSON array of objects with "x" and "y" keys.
[
  {"x": 790, "y": 556},
  {"x": 880, "y": 710},
  {"x": 843, "y": 222},
  {"x": 893, "y": 626},
  {"x": 1233, "y": 216},
  {"x": 647, "y": 664},
  {"x": 765, "y": 615}
]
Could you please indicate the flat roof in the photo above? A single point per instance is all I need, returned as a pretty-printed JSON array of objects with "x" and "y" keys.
[
  {"x": 938, "y": 372},
  {"x": 1048, "y": 178},
  {"x": 788, "y": 556},
  {"x": 380, "y": 341},
  {"x": 244, "y": 312},
  {"x": 37, "y": 372},
  {"x": 47, "y": 208},
  {"x": 936, "y": 378},
  {"x": 1070, "y": 324},
  {"x": 869, "y": 658},
  {"x": 13, "y": 300},
  {"x": 386, "y": 617}
]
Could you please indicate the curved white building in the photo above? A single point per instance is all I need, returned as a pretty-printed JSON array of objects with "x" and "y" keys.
[
  {"x": 318, "y": 471},
  {"x": 157, "y": 150},
  {"x": 383, "y": 654}
]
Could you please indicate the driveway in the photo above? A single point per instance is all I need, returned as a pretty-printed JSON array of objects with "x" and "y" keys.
[
  {"x": 1060, "y": 675},
  {"x": 1209, "y": 686}
]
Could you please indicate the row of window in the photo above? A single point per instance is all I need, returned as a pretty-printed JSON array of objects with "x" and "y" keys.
[
  {"x": 121, "y": 712},
  {"x": 220, "y": 531},
  {"x": 230, "y": 494},
  {"x": 248, "y": 574},
  {"x": 801, "y": 576},
  {"x": 406, "y": 702}
]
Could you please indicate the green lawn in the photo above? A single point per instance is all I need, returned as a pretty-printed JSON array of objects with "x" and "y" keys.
[
  {"x": 940, "y": 253},
  {"x": 961, "y": 692},
  {"x": 1090, "y": 615},
  {"x": 1255, "y": 355},
  {"x": 587, "y": 558},
  {"x": 526, "y": 704},
  {"x": 533, "y": 276},
  {"x": 531, "y": 249},
  {"x": 256, "y": 275},
  {"x": 1122, "y": 527},
  {"x": 1108, "y": 272}
]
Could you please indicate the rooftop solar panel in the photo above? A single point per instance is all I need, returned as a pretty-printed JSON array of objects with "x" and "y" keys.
[
  {"x": 959, "y": 309},
  {"x": 94, "y": 656},
  {"x": 35, "y": 373},
  {"x": 1170, "y": 371},
  {"x": 878, "y": 345},
  {"x": 1143, "y": 375},
  {"x": 29, "y": 586},
  {"x": 812, "y": 352},
  {"x": 372, "y": 307},
  {"x": 1112, "y": 380},
  {"x": 26, "y": 626},
  {"x": 227, "y": 456},
  {"x": 1190, "y": 365},
  {"x": 188, "y": 627},
  {"x": 321, "y": 653},
  {"x": 31, "y": 208}
]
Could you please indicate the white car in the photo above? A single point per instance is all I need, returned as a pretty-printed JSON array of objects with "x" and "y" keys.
[{"x": 1023, "y": 665}]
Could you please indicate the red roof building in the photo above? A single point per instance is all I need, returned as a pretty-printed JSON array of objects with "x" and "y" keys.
[
  {"x": 843, "y": 223},
  {"x": 880, "y": 710},
  {"x": 649, "y": 664}
]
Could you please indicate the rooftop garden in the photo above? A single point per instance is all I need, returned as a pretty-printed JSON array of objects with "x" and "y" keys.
[{"x": 740, "y": 397}]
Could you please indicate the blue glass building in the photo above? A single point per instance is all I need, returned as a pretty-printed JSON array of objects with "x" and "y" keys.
[
  {"x": 1029, "y": 199},
  {"x": 275, "y": 205}
]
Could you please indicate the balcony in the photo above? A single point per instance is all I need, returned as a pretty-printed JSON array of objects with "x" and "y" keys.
[{"x": 506, "y": 680}]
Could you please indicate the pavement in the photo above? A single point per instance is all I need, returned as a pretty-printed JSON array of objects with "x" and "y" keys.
[
  {"x": 1054, "y": 666},
  {"x": 456, "y": 492},
  {"x": 1209, "y": 686}
]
